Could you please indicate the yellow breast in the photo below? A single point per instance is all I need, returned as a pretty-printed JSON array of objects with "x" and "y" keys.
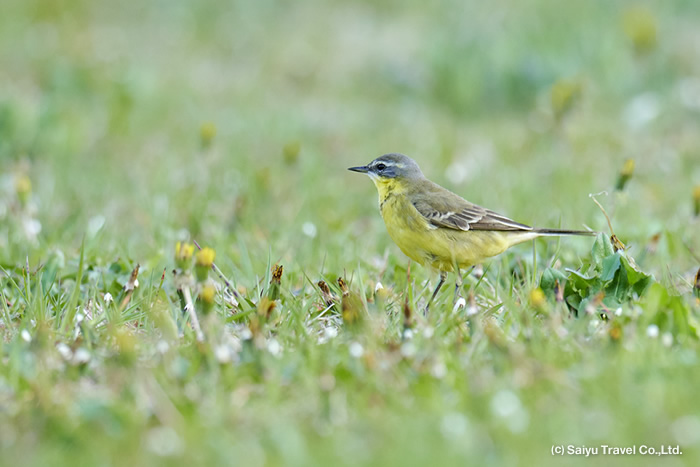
[{"x": 440, "y": 248}]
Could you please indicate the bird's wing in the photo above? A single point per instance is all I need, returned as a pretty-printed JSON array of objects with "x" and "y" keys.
[{"x": 442, "y": 208}]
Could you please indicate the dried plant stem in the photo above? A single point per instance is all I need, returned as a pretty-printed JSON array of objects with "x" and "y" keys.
[
  {"x": 592, "y": 196},
  {"x": 616, "y": 242}
]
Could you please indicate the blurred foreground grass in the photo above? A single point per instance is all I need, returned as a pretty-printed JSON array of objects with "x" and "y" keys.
[{"x": 126, "y": 128}]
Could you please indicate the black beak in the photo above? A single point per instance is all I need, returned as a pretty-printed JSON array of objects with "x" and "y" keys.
[{"x": 363, "y": 170}]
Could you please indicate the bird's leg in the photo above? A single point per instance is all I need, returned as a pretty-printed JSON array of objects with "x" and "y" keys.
[
  {"x": 458, "y": 284},
  {"x": 443, "y": 278}
]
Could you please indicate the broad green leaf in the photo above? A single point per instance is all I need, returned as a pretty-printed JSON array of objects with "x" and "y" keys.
[
  {"x": 581, "y": 283},
  {"x": 610, "y": 266},
  {"x": 602, "y": 248},
  {"x": 611, "y": 302},
  {"x": 549, "y": 278},
  {"x": 634, "y": 274},
  {"x": 618, "y": 287},
  {"x": 574, "y": 301}
]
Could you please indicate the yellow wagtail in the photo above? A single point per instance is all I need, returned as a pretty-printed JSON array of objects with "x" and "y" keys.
[{"x": 438, "y": 228}]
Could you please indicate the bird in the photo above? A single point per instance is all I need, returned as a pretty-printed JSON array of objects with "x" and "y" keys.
[{"x": 438, "y": 228}]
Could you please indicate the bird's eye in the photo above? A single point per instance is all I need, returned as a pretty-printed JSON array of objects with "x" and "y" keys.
[{"x": 381, "y": 167}]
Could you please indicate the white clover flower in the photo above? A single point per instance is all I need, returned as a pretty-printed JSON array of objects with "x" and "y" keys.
[
  {"x": 274, "y": 347},
  {"x": 162, "y": 346},
  {"x": 223, "y": 353},
  {"x": 64, "y": 351},
  {"x": 309, "y": 229},
  {"x": 653, "y": 331},
  {"x": 439, "y": 370},
  {"x": 356, "y": 350},
  {"x": 408, "y": 349},
  {"x": 81, "y": 356}
]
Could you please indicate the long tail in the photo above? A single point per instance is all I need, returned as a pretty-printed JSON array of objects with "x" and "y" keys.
[
  {"x": 524, "y": 235},
  {"x": 557, "y": 232}
]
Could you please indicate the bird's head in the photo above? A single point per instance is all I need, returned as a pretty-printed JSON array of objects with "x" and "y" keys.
[{"x": 389, "y": 169}]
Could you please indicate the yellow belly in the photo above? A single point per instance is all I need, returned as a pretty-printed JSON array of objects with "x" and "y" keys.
[{"x": 440, "y": 248}]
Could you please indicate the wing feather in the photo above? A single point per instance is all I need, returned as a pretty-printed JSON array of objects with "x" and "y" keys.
[{"x": 442, "y": 208}]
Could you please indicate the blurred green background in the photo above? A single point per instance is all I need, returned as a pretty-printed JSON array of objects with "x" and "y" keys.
[
  {"x": 105, "y": 106},
  {"x": 138, "y": 124}
]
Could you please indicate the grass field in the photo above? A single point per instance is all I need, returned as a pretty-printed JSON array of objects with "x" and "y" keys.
[{"x": 129, "y": 130}]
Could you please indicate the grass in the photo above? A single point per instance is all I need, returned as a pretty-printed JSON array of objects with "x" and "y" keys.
[{"x": 127, "y": 128}]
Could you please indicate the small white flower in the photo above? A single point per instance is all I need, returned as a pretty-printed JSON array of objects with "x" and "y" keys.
[
  {"x": 81, "y": 356},
  {"x": 136, "y": 283},
  {"x": 408, "y": 349},
  {"x": 108, "y": 298},
  {"x": 641, "y": 110},
  {"x": 274, "y": 347},
  {"x": 162, "y": 347},
  {"x": 26, "y": 337},
  {"x": 459, "y": 304},
  {"x": 618, "y": 312},
  {"x": 223, "y": 353},
  {"x": 309, "y": 229},
  {"x": 356, "y": 350},
  {"x": 428, "y": 332},
  {"x": 246, "y": 334},
  {"x": 439, "y": 370},
  {"x": 408, "y": 334},
  {"x": 667, "y": 339},
  {"x": 378, "y": 287},
  {"x": 653, "y": 331},
  {"x": 330, "y": 332},
  {"x": 163, "y": 441},
  {"x": 64, "y": 351},
  {"x": 32, "y": 227}
]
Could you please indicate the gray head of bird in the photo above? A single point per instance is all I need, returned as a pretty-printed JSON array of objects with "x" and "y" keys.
[{"x": 390, "y": 166}]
